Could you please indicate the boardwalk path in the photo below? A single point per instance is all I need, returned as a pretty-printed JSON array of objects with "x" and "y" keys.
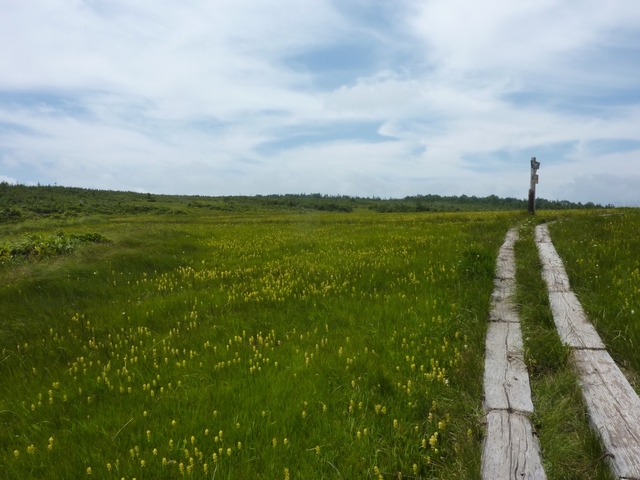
[
  {"x": 613, "y": 406},
  {"x": 510, "y": 449}
]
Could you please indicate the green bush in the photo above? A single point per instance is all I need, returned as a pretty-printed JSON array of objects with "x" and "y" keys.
[{"x": 38, "y": 246}]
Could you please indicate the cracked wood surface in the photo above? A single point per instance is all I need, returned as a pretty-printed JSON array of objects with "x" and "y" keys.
[
  {"x": 574, "y": 328},
  {"x": 613, "y": 405},
  {"x": 517, "y": 455},
  {"x": 614, "y": 409},
  {"x": 510, "y": 449},
  {"x": 506, "y": 381}
]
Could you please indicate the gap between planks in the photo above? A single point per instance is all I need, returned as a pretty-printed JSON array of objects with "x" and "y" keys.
[
  {"x": 510, "y": 449},
  {"x": 613, "y": 405}
]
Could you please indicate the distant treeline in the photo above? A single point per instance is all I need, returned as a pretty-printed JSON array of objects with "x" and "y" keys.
[{"x": 21, "y": 202}]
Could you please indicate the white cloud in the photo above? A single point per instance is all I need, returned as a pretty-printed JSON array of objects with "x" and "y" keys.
[
  {"x": 10, "y": 180},
  {"x": 183, "y": 97},
  {"x": 518, "y": 37},
  {"x": 596, "y": 187}
]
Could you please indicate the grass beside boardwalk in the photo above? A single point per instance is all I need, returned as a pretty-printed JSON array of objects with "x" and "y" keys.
[
  {"x": 570, "y": 450},
  {"x": 601, "y": 254},
  {"x": 249, "y": 346}
]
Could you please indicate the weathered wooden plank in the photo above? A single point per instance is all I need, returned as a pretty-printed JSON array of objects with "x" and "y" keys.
[
  {"x": 614, "y": 409},
  {"x": 556, "y": 280},
  {"x": 552, "y": 259},
  {"x": 502, "y": 308},
  {"x": 573, "y": 326},
  {"x": 511, "y": 449},
  {"x": 505, "y": 266},
  {"x": 553, "y": 271},
  {"x": 542, "y": 233},
  {"x": 503, "y": 312},
  {"x": 502, "y": 289},
  {"x": 506, "y": 381},
  {"x": 613, "y": 405}
]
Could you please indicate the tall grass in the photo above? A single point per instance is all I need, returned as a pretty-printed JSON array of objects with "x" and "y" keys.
[
  {"x": 601, "y": 254},
  {"x": 570, "y": 450},
  {"x": 273, "y": 346}
]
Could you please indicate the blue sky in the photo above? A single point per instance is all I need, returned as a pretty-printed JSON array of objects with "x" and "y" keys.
[{"x": 355, "y": 97}]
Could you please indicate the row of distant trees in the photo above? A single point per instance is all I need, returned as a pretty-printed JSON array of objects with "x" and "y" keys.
[{"x": 19, "y": 202}]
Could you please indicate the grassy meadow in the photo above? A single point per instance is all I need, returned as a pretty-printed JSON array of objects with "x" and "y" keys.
[
  {"x": 290, "y": 345},
  {"x": 570, "y": 449},
  {"x": 602, "y": 257},
  {"x": 248, "y": 346}
]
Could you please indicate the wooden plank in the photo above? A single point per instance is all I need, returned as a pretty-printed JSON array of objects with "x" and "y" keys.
[
  {"x": 510, "y": 449},
  {"x": 502, "y": 309},
  {"x": 505, "y": 266},
  {"x": 503, "y": 312},
  {"x": 542, "y": 233},
  {"x": 502, "y": 289},
  {"x": 614, "y": 410},
  {"x": 504, "y": 281},
  {"x": 554, "y": 275},
  {"x": 511, "y": 238},
  {"x": 573, "y": 326},
  {"x": 613, "y": 405},
  {"x": 549, "y": 254},
  {"x": 556, "y": 280},
  {"x": 553, "y": 271},
  {"x": 506, "y": 381}
]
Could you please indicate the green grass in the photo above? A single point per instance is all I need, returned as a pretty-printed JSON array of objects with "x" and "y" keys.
[
  {"x": 309, "y": 346},
  {"x": 601, "y": 254},
  {"x": 322, "y": 345},
  {"x": 19, "y": 203},
  {"x": 570, "y": 450}
]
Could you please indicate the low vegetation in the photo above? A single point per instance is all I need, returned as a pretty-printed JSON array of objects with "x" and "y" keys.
[
  {"x": 148, "y": 336},
  {"x": 35, "y": 245},
  {"x": 273, "y": 346},
  {"x": 602, "y": 256},
  {"x": 19, "y": 203},
  {"x": 570, "y": 449}
]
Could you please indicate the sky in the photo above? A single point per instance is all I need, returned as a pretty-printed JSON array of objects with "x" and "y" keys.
[{"x": 341, "y": 97}]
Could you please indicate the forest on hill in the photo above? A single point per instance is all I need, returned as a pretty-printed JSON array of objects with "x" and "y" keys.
[{"x": 22, "y": 202}]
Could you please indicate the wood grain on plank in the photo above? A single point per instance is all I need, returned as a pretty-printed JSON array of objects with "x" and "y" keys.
[
  {"x": 504, "y": 268},
  {"x": 553, "y": 271},
  {"x": 502, "y": 289},
  {"x": 510, "y": 449},
  {"x": 614, "y": 409},
  {"x": 613, "y": 405},
  {"x": 506, "y": 381},
  {"x": 503, "y": 312},
  {"x": 573, "y": 326},
  {"x": 502, "y": 308}
]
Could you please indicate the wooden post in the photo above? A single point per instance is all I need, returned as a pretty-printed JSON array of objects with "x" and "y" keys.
[{"x": 532, "y": 187}]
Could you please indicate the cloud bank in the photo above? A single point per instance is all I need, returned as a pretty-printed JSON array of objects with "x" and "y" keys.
[{"x": 369, "y": 98}]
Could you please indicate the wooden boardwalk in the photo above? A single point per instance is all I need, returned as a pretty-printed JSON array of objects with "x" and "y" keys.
[
  {"x": 613, "y": 406},
  {"x": 510, "y": 449}
]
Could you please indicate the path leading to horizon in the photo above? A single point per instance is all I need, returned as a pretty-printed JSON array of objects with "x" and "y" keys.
[
  {"x": 511, "y": 449},
  {"x": 612, "y": 404}
]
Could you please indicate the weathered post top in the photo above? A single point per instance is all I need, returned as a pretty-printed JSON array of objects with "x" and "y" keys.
[{"x": 535, "y": 165}]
